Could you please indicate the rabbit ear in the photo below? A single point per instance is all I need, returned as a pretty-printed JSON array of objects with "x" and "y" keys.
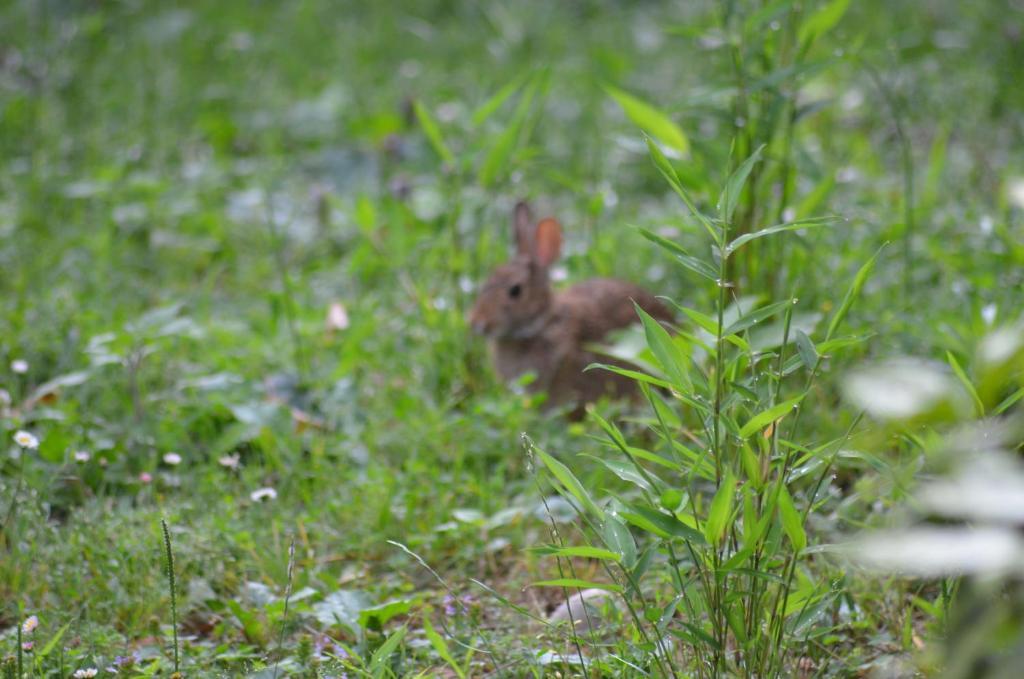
[
  {"x": 522, "y": 227},
  {"x": 547, "y": 241}
]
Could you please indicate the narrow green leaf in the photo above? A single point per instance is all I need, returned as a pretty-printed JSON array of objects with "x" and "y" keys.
[
  {"x": 698, "y": 266},
  {"x": 632, "y": 374},
  {"x": 822, "y": 20},
  {"x": 755, "y": 317},
  {"x": 703, "y": 320},
  {"x": 54, "y": 640},
  {"x": 778, "y": 228},
  {"x": 383, "y": 653},
  {"x": 721, "y": 508},
  {"x": 665, "y": 350},
  {"x": 792, "y": 522},
  {"x": 651, "y": 120},
  {"x": 486, "y": 109},
  {"x": 979, "y": 407},
  {"x": 569, "y": 481},
  {"x": 669, "y": 173},
  {"x": 851, "y": 294},
  {"x": 439, "y": 644},
  {"x": 577, "y": 583},
  {"x": 764, "y": 418},
  {"x": 737, "y": 560},
  {"x": 433, "y": 132},
  {"x": 497, "y": 159},
  {"x": 585, "y": 551},
  {"x": 734, "y": 186}
]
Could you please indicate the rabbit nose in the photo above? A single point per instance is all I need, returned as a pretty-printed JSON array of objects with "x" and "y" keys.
[{"x": 478, "y": 323}]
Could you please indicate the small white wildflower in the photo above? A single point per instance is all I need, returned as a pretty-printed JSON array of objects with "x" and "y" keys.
[
  {"x": 337, "y": 316},
  {"x": 988, "y": 313},
  {"x": 19, "y": 366},
  {"x": 230, "y": 461},
  {"x": 261, "y": 494},
  {"x": 26, "y": 440},
  {"x": 82, "y": 456},
  {"x": 30, "y": 625},
  {"x": 87, "y": 673},
  {"x": 172, "y": 459}
]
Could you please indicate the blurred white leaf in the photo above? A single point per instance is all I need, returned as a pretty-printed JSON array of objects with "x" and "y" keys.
[
  {"x": 990, "y": 488},
  {"x": 939, "y": 551},
  {"x": 902, "y": 390}
]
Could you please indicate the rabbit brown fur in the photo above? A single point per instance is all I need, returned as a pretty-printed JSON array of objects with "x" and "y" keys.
[{"x": 532, "y": 328}]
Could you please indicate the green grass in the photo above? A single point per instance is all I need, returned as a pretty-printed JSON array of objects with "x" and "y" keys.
[{"x": 184, "y": 193}]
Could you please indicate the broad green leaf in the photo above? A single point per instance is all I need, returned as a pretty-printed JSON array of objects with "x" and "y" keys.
[
  {"x": 764, "y": 418},
  {"x": 651, "y": 120},
  {"x": 756, "y": 316},
  {"x": 661, "y": 524},
  {"x": 383, "y": 653},
  {"x": 805, "y": 348},
  {"x": 625, "y": 471},
  {"x": 822, "y": 20},
  {"x": 735, "y": 619},
  {"x": 792, "y": 522},
  {"x": 441, "y": 647},
  {"x": 672, "y": 360},
  {"x": 778, "y": 228},
  {"x": 433, "y": 132},
  {"x": 585, "y": 551},
  {"x": 569, "y": 481},
  {"x": 979, "y": 407},
  {"x": 721, "y": 508},
  {"x": 618, "y": 539},
  {"x": 375, "y": 617},
  {"x": 669, "y": 173},
  {"x": 577, "y": 583},
  {"x": 734, "y": 186},
  {"x": 851, "y": 294},
  {"x": 485, "y": 110}
]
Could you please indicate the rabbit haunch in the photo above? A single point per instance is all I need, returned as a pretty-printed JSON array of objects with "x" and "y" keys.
[{"x": 532, "y": 328}]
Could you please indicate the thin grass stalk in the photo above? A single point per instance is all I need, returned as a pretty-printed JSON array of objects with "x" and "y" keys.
[
  {"x": 169, "y": 554},
  {"x": 287, "y": 598},
  {"x": 907, "y": 171}
]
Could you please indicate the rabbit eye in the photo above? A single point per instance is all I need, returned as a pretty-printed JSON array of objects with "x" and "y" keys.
[{"x": 515, "y": 291}]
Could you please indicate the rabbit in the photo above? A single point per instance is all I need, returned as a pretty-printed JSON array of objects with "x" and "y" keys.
[{"x": 532, "y": 328}]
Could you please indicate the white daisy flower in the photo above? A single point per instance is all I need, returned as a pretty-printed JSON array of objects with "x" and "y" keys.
[
  {"x": 26, "y": 440},
  {"x": 82, "y": 456},
  {"x": 87, "y": 673},
  {"x": 19, "y": 366},
  {"x": 30, "y": 625},
  {"x": 263, "y": 494},
  {"x": 172, "y": 459}
]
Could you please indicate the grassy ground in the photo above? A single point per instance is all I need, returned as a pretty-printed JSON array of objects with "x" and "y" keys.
[{"x": 185, "y": 193}]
